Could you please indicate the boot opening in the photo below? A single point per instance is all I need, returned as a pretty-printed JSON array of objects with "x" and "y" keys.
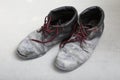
[
  {"x": 91, "y": 17},
  {"x": 62, "y": 16}
]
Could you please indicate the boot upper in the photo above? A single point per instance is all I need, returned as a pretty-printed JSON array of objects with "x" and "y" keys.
[
  {"x": 78, "y": 48},
  {"x": 57, "y": 25}
]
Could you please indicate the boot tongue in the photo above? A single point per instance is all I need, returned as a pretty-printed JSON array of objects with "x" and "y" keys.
[
  {"x": 52, "y": 27},
  {"x": 58, "y": 24},
  {"x": 91, "y": 26},
  {"x": 91, "y": 31}
]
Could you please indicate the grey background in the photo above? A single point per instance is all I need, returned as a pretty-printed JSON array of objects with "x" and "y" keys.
[{"x": 20, "y": 17}]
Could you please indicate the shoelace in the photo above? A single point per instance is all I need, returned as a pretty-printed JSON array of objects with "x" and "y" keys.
[
  {"x": 79, "y": 35},
  {"x": 46, "y": 30}
]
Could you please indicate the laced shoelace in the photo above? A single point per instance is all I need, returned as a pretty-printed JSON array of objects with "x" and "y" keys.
[
  {"x": 79, "y": 35},
  {"x": 46, "y": 30}
]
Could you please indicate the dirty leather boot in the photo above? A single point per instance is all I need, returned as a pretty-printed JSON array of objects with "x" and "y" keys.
[
  {"x": 58, "y": 25},
  {"x": 78, "y": 48}
]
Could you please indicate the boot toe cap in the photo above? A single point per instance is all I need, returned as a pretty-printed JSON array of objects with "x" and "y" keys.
[
  {"x": 28, "y": 50},
  {"x": 65, "y": 62}
]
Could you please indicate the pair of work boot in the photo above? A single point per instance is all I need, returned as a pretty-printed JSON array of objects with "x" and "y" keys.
[{"x": 77, "y": 35}]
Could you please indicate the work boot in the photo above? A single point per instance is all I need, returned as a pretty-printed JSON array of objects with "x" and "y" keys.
[
  {"x": 78, "y": 48},
  {"x": 58, "y": 25}
]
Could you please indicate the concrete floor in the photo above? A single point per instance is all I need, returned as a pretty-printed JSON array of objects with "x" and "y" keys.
[{"x": 20, "y": 17}]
